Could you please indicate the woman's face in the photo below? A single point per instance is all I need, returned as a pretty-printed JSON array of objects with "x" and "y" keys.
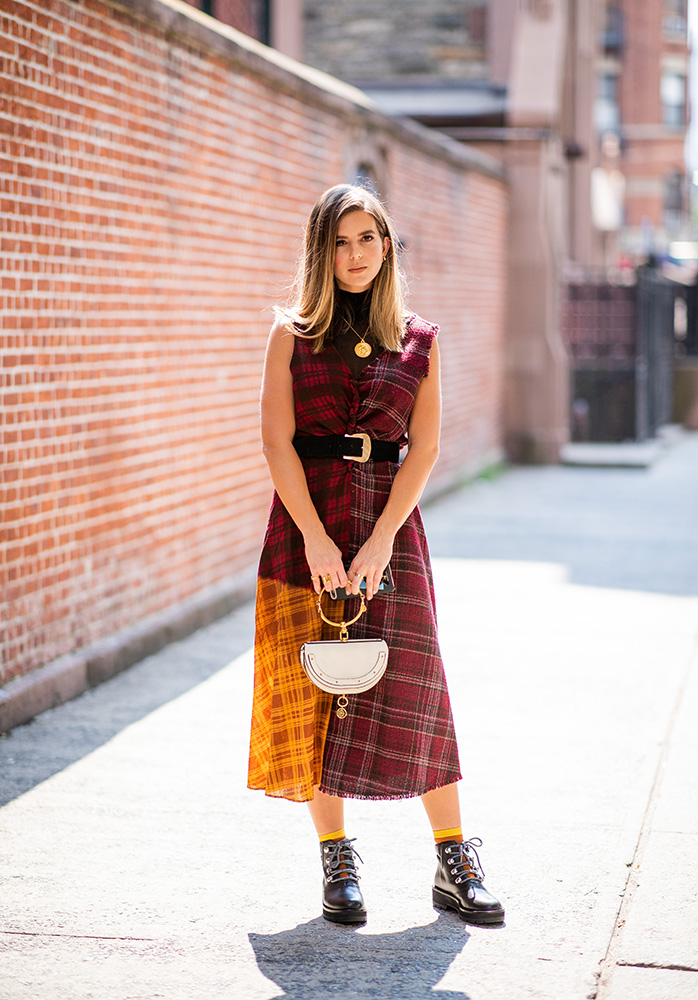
[{"x": 359, "y": 251}]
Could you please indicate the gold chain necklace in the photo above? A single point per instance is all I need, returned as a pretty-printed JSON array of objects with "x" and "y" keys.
[{"x": 363, "y": 349}]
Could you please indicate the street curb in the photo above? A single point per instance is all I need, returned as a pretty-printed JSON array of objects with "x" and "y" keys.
[
  {"x": 25, "y": 697},
  {"x": 622, "y": 455}
]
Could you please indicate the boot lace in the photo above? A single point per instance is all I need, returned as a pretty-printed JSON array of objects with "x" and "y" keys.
[
  {"x": 464, "y": 861},
  {"x": 339, "y": 857}
]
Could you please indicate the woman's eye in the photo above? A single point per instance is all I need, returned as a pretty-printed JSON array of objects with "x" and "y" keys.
[
  {"x": 368, "y": 237},
  {"x": 341, "y": 243}
]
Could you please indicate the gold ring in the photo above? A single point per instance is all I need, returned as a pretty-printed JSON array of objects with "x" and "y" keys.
[
  {"x": 314, "y": 577},
  {"x": 327, "y": 579}
]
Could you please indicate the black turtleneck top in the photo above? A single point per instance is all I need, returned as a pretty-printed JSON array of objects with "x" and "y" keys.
[{"x": 353, "y": 308}]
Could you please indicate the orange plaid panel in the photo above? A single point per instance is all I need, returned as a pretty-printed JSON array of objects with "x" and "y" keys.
[{"x": 290, "y": 715}]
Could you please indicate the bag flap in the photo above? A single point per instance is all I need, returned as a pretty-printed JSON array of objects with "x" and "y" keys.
[{"x": 345, "y": 667}]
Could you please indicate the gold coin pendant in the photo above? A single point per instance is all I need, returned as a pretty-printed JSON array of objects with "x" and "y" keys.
[
  {"x": 341, "y": 713},
  {"x": 363, "y": 350}
]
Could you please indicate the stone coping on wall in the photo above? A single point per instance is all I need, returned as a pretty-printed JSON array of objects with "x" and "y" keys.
[{"x": 187, "y": 24}]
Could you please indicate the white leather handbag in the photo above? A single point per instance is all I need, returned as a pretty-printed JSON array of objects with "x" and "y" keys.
[{"x": 344, "y": 666}]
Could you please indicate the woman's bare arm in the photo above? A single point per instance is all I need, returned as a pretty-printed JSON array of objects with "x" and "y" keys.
[{"x": 286, "y": 468}]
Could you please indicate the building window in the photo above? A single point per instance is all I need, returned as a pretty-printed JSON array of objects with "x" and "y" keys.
[
  {"x": 673, "y": 95},
  {"x": 606, "y": 110},
  {"x": 476, "y": 23},
  {"x": 674, "y": 19},
  {"x": 673, "y": 201},
  {"x": 248, "y": 16},
  {"x": 612, "y": 37}
]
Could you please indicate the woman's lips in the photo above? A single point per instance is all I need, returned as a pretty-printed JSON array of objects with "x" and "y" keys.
[{"x": 357, "y": 270}]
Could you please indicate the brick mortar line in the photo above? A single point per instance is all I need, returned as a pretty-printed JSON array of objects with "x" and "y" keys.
[{"x": 610, "y": 960}]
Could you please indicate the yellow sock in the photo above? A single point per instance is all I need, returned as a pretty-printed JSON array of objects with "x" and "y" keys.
[
  {"x": 337, "y": 835},
  {"x": 456, "y": 833}
]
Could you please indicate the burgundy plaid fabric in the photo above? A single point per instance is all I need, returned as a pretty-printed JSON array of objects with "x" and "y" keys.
[{"x": 398, "y": 739}]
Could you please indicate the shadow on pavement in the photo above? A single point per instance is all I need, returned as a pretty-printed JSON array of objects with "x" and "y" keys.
[{"x": 318, "y": 960}]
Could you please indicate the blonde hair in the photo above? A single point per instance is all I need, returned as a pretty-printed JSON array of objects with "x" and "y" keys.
[{"x": 315, "y": 289}]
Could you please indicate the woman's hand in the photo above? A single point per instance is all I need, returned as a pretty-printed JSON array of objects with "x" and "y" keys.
[
  {"x": 369, "y": 564},
  {"x": 325, "y": 561}
]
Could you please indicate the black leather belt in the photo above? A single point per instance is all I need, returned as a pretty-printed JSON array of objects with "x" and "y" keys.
[{"x": 353, "y": 447}]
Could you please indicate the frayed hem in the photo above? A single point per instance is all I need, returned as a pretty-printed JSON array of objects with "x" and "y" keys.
[
  {"x": 289, "y": 796},
  {"x": 389, "y": 796}
]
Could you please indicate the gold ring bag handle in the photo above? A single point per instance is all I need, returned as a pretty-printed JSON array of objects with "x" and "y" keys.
[
  {"x": 342, "y": 626},
  {"x": 344, "y": 666}
]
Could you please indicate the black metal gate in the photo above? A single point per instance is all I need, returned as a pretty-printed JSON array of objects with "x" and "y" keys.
[
  {"x": 654, "y": 353},
  {"x": 689, "y": 338},
  {"x": 621, "y": 344}
]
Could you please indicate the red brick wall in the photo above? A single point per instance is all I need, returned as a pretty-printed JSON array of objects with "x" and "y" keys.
[{"x": 154, "y": 180}]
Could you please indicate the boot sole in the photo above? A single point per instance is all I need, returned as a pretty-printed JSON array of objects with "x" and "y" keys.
[
  {"x": 346, "y": 917},
  {"x": 442, "y": 901}
]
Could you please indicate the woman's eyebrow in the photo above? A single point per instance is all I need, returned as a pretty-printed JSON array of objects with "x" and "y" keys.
[{"x": 340, "y": 236}]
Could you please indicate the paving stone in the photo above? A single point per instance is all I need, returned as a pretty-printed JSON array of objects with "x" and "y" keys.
[
  {"x": 661, "y": 925},
  {"x": 653, "y": 984}
]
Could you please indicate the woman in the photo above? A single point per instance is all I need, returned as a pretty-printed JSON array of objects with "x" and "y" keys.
[{"x": 348, "y": 361}]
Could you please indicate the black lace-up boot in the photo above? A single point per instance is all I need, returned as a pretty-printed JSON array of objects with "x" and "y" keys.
[
  {"x": 458, "y": 884},
  {"x": 342, "y": 902}
]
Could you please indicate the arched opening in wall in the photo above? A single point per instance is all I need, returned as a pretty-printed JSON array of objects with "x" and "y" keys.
[{"x": 365, "y": 176}]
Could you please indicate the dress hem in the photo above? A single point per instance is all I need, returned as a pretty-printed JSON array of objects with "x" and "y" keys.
[
  {"x": 396, "y": 796},
  {"x": 363, "y": 798}
]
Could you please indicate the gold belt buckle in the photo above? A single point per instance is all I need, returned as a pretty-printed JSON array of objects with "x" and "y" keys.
[{"x": 365, "y": 448}]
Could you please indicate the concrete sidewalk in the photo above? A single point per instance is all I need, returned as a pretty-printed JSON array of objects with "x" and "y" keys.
[{"x": 140, "y": 867}]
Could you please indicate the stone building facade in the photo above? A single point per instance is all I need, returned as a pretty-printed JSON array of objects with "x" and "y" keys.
[{"x": 368, "y": 41}]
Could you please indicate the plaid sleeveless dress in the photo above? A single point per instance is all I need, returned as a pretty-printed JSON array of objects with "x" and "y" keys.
[{"x": 398, "y": 739}]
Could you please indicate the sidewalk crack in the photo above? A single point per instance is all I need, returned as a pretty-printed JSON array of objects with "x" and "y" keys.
[
  {"x": 610, "y": 960},
  {"x": 674, "y": 966},
  {"x": 80, "y": 937}
]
